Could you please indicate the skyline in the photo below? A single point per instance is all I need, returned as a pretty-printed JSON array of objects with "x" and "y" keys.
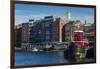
[{"x": 24, "y": 12}]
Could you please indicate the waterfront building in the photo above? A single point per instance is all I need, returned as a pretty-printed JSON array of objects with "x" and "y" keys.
[
  {"x": 47, "y": 30},
  {"x": 17, "y": 32},
  {"x": 69, "y": 28},
  {"x": 25, "y": 34},
  {"x": 57, "y": 26}
]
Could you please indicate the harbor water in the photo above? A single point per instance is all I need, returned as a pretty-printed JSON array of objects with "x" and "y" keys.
[
  {"x": 29, "y": 58},
  {"x": 36, "y": 58}
]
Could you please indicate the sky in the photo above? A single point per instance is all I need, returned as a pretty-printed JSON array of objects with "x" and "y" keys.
[{"x": 24, "y": 12}]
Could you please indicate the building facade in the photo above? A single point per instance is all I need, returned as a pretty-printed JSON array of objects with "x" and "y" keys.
[
  {"x": 18, "y": 33},
  {"x": 69, "y": 28},
  {"x": 46, "y": 30}
]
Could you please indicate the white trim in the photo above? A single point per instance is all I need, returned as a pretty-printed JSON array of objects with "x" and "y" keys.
[{"x": 78, "y": 31}]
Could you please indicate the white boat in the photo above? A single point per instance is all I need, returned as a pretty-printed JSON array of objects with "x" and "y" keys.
[{"x": 35, "y": 49}]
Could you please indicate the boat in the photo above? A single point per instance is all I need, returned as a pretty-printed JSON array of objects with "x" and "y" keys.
[
  {"x": 35, "y": 50},
  {"x": 78, "y": 46}
]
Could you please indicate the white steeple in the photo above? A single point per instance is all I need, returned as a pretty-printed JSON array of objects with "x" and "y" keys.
[{"x": 68, "y": 15}]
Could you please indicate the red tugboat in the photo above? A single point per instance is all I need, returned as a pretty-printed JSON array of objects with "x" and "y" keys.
[{"x": 78, "y": 46}]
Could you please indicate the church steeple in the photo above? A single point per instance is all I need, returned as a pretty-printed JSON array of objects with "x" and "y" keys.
[{"x": 69, "y": 15}]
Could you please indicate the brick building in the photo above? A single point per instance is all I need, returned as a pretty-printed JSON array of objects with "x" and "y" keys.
[{"x": 47, "y": 30}]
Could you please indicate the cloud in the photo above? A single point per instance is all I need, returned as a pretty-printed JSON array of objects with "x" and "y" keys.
[
  {"x": 25, "y": 18},
  {"x": 89, "y": 19}
]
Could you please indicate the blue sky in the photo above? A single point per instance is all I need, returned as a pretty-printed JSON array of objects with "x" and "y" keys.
[{"x": 24, "y": 12}]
